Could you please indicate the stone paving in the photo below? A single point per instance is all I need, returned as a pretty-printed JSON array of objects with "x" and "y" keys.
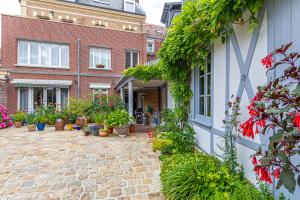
[{"x": 67, "y": 165}]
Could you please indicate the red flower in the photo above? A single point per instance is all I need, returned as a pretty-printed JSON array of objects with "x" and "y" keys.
[
  {"x": 254, "y": 161},
  {"x": 247, "y": 128},
  {"x": 267, "y": 61},
  {"x": 297, "y": 120},
  {"x": 111, "y": 104},
  {"x": 277, "y": 173},
  {"x": 150, "y": 134},
  {"x": 263, "y": 174},
  {"x": 102, "y": 103}
]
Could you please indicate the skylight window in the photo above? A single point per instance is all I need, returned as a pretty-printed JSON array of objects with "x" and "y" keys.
[{"x": 129, "y": 5}]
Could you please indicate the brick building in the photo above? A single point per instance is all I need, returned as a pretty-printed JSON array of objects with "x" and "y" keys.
[
  {"x": 155, "y": 36},
  {"x": 72, "y": 48}
]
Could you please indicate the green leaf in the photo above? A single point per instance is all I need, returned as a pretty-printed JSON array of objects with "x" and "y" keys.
[
  {"x": 276, "y": 137},
  {"x": 298, "y": 180},
  {"x": 297, "y": 90},
  {"x": 288, "y": 179},
  {"x": 272, "y": 111}
]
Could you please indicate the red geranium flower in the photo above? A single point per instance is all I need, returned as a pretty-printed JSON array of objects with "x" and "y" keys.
[
  {"x": 247, "y": 128},
  {"x": 254, "y": 161},
  {"x": 267, "y": 61},
  {"x": 263, "y": 174},
  {"x": 111, "y": 104},
  {"x": 150, "y": 134},
  {"x": 297, "y": 120},
  {"x": 277, "y": 173}
]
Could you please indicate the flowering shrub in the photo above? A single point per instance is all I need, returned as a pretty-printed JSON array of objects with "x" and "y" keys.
[
  {"x": 5, "y": 120},
  {"x": 275, "y": 110},
  {"x": 106, "y": 104}
]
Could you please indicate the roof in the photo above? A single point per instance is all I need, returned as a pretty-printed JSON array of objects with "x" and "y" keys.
[
  {"x": 167, "y": 8},
  {"x": 155, "y": 31},
  {"x": 108, "y": 4}
]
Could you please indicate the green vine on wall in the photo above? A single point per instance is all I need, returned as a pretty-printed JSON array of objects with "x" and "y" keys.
[{"x": 189, "y": 40}]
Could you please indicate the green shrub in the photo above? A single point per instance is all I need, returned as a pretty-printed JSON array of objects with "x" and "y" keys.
[
  {"x": 30, "y": 119},
  {"x": 118, "y": 118},
  {"x": 162, "y": 145},
  {"x": 195, "y": 176},
  {"x": 99, "y": 118},
  {"x": 20, "y": 116}
]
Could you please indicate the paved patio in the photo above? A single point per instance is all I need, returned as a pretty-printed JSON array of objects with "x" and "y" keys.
[{"x": 67, "y": 165}]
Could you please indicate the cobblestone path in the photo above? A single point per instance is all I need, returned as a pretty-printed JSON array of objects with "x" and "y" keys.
[{"x": 67, "y": 165}]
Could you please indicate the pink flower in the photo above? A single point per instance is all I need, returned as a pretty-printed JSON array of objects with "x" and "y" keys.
[
  {"x": 10, "y": 123},
  {"x": 267, "y": 61},
  {"x": 3, "y": 124}
]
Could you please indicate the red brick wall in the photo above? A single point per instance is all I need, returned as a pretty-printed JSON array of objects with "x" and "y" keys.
[{"x": 14, "y": 28}]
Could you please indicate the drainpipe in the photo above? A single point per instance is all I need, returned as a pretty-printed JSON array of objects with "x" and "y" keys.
[{"x": 78, "y": 69}]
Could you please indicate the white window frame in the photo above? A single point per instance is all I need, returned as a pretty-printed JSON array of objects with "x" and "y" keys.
[
  {"x": 49, "y": 48},
  {"x": 92, "y": 64},
  {"x": 130, "y": 2},
  {"x": 153, "y": 46},
  {"x": 131, "y": 57}
]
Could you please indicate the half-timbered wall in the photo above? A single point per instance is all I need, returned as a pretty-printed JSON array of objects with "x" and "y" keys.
[{"x": 237, "y": 70}]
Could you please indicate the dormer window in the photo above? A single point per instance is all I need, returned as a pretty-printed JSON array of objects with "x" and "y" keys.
[{"x": 129, "y": 5}]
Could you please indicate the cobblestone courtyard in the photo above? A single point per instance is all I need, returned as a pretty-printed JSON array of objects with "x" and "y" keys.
[{"x": 67, "y": 165}]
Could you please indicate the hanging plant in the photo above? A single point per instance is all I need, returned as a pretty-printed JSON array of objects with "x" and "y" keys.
[{"x": 275, "y": 110}]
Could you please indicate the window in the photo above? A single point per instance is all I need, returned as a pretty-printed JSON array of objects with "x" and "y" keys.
[
  {"x": 64, "y": 97},
  {"x": 150, "y": 46},
  {"x": 99, "y": 91},
  {"x": 132, "y": 59},
  {"x": 23, "y": 99},
  {"x": 43, "y": 54},
  {"x": 203, "y": 91},
  {"x": 100, "y": 58},
  {"x": 129, "y": 5}
]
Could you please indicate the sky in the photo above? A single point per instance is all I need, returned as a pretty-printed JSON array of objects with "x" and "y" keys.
[{"x": 153, "y": 8}]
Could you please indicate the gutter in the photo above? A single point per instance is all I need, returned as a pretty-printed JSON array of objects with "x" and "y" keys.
[{"x": 78, "y": 69}]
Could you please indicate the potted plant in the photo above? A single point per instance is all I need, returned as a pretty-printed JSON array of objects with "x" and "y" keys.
[
  {"x": 132, "y": 125},
  {"x": 31, "y": 122},
  {"x": 59, "y": 122},
  {"x": 103, "y": 132},
  {"x": 95, "y": 130},
  {"x": 100, "y": 66},
  {"x": 99, "y": 119},
  {"x": 41, "y": 121},
  {"x": 87, "y": 131},
  {"x": 119, "y": 119},
  {"x": 19, "y": 118}
]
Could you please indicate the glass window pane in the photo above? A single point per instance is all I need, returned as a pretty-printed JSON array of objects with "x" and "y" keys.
[
  {"x": 65, "y": 56},
  {"x": 34, "y": 53},
  {"x": 51, "y": 96},
  {"x": 45, "y": 54},
  {"x": 201, "y": 86},
  {"x": 201, "y": 71},
  {"x": 64, "y": 97},
  {"x": 128, "y": 60},
  {"x": 201, "y": 105},
  {"x": 129, "y": 7},
  {"x": 209, "y": 63},
  {"x": 208, "y": 106},
  {"x": 104, "y": 57},
  {"x": 24, "y": 99},
  {"x": 92, "y": 57},
  {"x": 134, "y": 59},
  {"x": 55, "y": 55},
  {"x": 23, "y": 52},
  {"x": 208, "y": 84},
  {"x": 109, "y": 59},
  {"x": 97, "y": 57}
]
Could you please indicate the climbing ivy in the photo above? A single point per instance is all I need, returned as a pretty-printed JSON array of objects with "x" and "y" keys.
[{"x": 189, "y": 41}]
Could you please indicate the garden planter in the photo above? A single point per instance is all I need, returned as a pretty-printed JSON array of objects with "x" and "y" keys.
[
  {"x": 60, "y": 125},
  {"x": 78, "y": 128},
  {"x": 131, "y": 128},
  {"x": 81, "y": 121},
  {"x": 86, "y": 133},
  {"x": 121, "y": 131},
  {"x": 70, "y": 127},
  {"x": 103, "y": 133},
  {"x": 31, "y": 128},
  {"x": 110, "y": 130},
  {"x": 18, "y": 124},
  {"x": 40, "y": 126},
  {"x": 95, "y": 130}
]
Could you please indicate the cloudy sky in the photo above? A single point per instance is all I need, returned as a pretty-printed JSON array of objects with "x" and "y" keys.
[{"x": 152, "y": 7}]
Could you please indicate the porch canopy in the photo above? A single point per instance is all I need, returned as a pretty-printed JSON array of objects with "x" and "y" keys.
[
  {"x": 132, "y": 84},
  {"x": 41, "y": 83}
]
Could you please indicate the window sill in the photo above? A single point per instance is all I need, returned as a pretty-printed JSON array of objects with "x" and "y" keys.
[
  {"x": 204, "y": 121},
  {"x": 41, "y": 66},
  {"x": 103, "y": 69}
]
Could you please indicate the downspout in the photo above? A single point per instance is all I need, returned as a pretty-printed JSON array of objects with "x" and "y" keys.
[{"x": 78, "y": 69}]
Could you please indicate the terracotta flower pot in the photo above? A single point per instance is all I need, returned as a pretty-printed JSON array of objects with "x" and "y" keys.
[
  {"x": 121, "y": 131},
  {"x": 110, "y": 130},
  {"x": 81, "y": 121},
  {"x": 86, "y": 133},
  {"x": 18, "y": 124},
  {"x": 31, "y": 128},
  {"x": 60, "y": 125},
  {"x": 131, "y": 128},
  {"x": 103, "y": 133}
]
